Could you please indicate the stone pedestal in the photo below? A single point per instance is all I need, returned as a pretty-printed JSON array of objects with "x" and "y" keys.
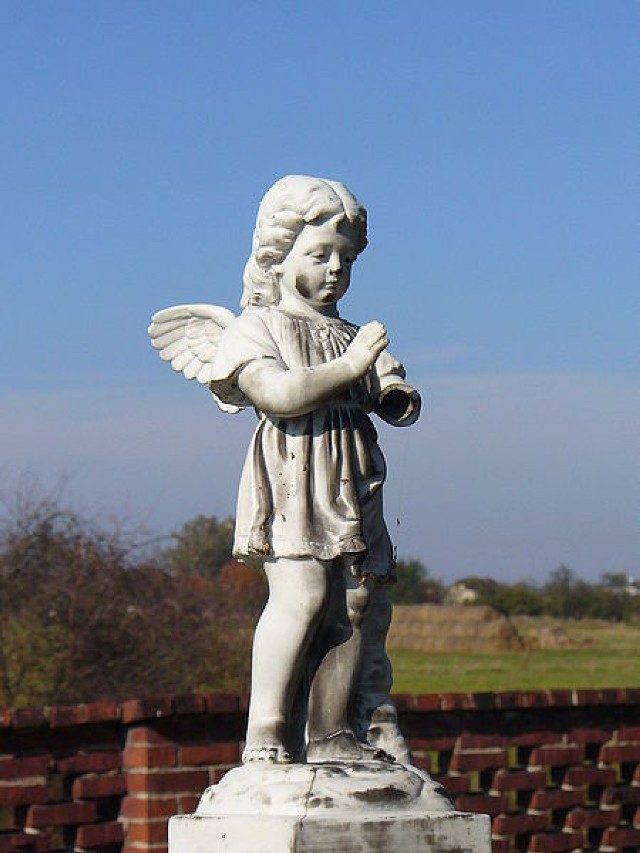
[{"x": 340, "y": 808}]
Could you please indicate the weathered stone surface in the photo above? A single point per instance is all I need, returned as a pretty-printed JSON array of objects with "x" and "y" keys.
[
  {"x": 305, "y": 789},
  {"x": 443, "y": 832},
  {"x": 363, "y": 807}
]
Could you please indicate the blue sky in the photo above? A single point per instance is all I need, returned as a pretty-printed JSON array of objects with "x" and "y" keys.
[{"x": 495, "y": 145}]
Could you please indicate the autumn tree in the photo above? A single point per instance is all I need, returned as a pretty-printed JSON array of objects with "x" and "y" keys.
[
  {"x": 84, "y": 617},
  {"x": 201, "y": 546},
  {"x": 414, "y": 585}
]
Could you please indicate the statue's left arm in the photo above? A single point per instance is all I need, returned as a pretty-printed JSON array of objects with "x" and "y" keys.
[{"x": 394, "y": 400}]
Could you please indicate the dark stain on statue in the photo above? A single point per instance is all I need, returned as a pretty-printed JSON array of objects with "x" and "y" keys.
[
  {"x": 302, "y": 286},
  {"x": 382, "y": 795}
]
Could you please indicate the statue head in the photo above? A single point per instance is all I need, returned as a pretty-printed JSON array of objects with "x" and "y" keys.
[{"x": 291, "y": 203}]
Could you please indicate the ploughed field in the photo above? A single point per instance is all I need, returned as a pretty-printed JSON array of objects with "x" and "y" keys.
[{"x": 555, "y": 654}]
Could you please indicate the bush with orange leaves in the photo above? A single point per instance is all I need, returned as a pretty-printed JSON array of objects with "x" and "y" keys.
[{"x": 86, "y": 614}]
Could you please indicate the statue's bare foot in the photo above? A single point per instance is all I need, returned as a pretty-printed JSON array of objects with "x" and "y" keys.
[
  {"x": 344, "y": 746},
  {"x": 265, "y": 744}
]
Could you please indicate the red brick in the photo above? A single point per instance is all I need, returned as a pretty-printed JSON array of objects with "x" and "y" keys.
[
  {"x": 23, "y": 841},
  {"x": 478, "y": 759},
  {"x": 102, "y": 712},
  {"x": 483, "y": 804},
  {"x": 519, "y": 780},
  {"x": 506, "y": 699},
  {"x": 457, "y": 702},
  {"x": 590, "y": 818},
  {"x": 501, "y": 845},
  {"x": 628, "y": 733},
  {"x": 99, "y": 835},
  {"x": 403, "y": 701},
  {"x": 587, "y": 736},
  {"x": 5, "y": 718},
  {"x": 557, "y": 842},
  {"x": 557, "y": 799},
  {"x": 223, "y": 703},
  {"x": 578, "y": 776},
  {"x": 23, "y": 795},
  {"x": 454, "y": 784},
  {"x": 20, "y": 768},
  {"x": 23, "y": 718},
  {"x": 422, "y": 762},
  {"x": 95, "y": 787},
  {"x": 213, "y": 753},
  {"x": 471, "y": 741},
  {"x": 428, "y": 702},
  {"x": 484, "y": 701},
  {"x": 586, "y": 698},
  {"x": 61, "y": 814},
  {"x": 146, "y": 709},
  {"x": 630, "y": 695},
  {"x": 627, "y": 838},
  {"x": 519, "y": 823},
  {"x": 192, "y": 703},
  {"x": 150, "y": 832},
  {"x": 67, "y": 715},
  {"x": 90, "y": 762},
  {"x": 217, "y": 773},
  {"x": 609, "y": 696},
  {"x": 435, "y": 744},
  {"x": 146, "y": 736},
  {"x": 556, "y": 755},
  {"x": 621, "y": 796},
  {"x": 141, "y": 808},
  {"x": 149, "y": 756},
  {"x": 535, "y": 699},
  {"x": 187, "y": 781},
  {"x": 537, "y": 738},
  {"x": 188, "y": 805},
  {"x": 611, "y": 753},
  {"x": 561, "y": 698}
]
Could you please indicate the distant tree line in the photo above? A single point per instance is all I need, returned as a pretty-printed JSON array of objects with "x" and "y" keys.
[
  {"x": 88, "y": 613},
  {"x": 564, "y": 595}
]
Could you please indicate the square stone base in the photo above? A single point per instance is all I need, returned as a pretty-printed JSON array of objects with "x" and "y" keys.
[{"x": 449, "y": 832}]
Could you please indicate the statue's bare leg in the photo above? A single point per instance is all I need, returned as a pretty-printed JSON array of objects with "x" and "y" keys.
[
  {"x": 298, "y": 591},
  {"x": 331, "y": 737},
  {"x": 372, "y": 714}
]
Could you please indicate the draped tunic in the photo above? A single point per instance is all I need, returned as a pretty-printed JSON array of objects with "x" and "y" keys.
[{"x": 311, "y": 485}]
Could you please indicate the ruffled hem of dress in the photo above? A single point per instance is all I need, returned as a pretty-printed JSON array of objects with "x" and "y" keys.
[{"x": 251, "y": 550}]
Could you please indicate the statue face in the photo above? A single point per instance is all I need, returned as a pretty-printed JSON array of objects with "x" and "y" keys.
[{"x": 317, "y": 270}]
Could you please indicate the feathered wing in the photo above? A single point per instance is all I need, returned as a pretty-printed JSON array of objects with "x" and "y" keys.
[{"x": 187, "y": 337}]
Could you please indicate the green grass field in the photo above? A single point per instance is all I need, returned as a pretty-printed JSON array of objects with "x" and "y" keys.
[{"x": 601, "y": 655}]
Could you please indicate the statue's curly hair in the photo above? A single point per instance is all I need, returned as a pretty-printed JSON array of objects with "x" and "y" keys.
[{"x": 291, "y": 203}]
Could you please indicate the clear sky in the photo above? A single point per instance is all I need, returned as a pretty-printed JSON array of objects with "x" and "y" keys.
[{"x": 496, "y": 146}]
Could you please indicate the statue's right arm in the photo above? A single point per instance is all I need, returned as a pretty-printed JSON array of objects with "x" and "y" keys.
[{"x": 276, "y": 390}]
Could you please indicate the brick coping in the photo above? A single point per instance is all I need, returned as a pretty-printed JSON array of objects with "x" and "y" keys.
[{"x": 153, "y": 707}]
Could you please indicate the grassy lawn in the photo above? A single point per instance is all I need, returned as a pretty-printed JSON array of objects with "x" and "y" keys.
[{"x": 602, "y": 655}]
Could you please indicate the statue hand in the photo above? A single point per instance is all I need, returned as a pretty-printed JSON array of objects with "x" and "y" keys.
[{"x": 365, "y": 348}]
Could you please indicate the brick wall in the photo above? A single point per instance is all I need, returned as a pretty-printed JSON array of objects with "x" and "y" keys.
[{"x": 557, "y": 770}]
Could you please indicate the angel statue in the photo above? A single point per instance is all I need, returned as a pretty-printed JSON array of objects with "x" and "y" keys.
[{"x": 309, "y": 507}]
